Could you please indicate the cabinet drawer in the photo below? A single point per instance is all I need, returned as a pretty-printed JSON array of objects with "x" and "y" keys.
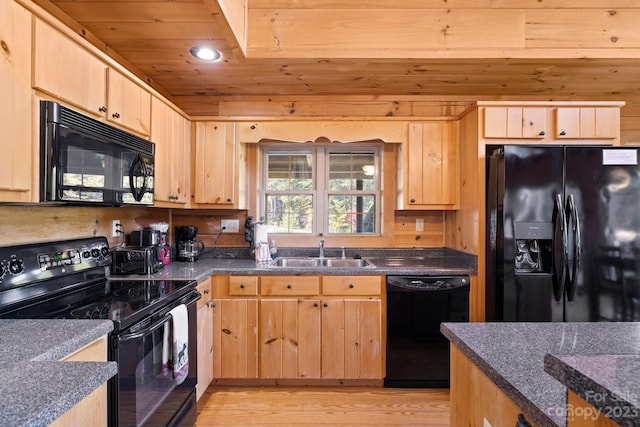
[
  {"x": 243, "y": 285},
  {"x": 204, "y": 288},
  {"x": 351, "y": 285},
  {"x": 290, "y": 285}
]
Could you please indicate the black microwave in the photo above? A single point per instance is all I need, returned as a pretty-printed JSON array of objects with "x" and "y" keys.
[{"x": 85, "y": 161}]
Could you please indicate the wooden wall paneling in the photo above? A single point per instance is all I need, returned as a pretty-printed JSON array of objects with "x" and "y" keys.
[
  {"x": 208, "y": 222},
  {"x": 405, "y": 234},
  {"x": 433, "y": 4},
  {"x": 334, "y": 107},
  {"x": 29, "y": 224},
  {"x": 464, "y": 228},
  {"x": 361, "y": 32},
  {"x": 587, "y": 28},
  {"x": 235, "y": 13}
]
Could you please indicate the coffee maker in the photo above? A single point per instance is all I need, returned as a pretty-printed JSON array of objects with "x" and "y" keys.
[{"x": 188, "y": 248}]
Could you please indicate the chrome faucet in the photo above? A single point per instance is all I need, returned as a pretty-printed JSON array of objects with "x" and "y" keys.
[{"x": 321, "y": 248}]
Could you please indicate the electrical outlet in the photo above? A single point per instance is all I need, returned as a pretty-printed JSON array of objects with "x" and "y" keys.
[
  {"x": 230, "y": 225},
  {"x": 115, "y": 228},
  {"x": 419, "y": 224}
]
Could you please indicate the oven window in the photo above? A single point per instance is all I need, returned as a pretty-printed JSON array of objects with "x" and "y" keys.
[{"x": 146, "y": 376}]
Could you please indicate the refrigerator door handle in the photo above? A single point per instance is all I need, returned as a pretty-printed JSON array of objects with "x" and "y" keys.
[
  {"x": 577, "y": 244},
  {"x": 559, "y": 275}
]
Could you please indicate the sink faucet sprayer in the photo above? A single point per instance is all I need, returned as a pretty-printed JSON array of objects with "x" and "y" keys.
[{"x": 321, "y": 248}]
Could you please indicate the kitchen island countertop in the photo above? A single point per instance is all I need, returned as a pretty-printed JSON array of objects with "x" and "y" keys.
[
  {"x": 608, "y": 382},
  {"x": 512, "y": 355},
  {"x": 37, "y": 388}
]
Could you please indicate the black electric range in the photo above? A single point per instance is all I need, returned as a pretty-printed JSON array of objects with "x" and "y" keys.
[{"x": 68, "y": 280}]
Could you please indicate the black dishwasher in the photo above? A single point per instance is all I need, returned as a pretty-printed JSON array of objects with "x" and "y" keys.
[{"x": 417, "y": 353}]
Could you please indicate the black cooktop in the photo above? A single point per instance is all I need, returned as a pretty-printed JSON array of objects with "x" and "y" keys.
[
  {"x": 67, "y": 280},
  {"x": 123, "y": 302}
]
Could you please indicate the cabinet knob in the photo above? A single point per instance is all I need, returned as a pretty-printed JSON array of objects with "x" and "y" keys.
[
  {"x": 289, "y": 286},
  {"x": 563, "y": 133},
  {"x": 116, "y": 115},
  {"x": 228, "y": 199},
  {"x": 351, "y": 286},
  {"x": 412, "y": 200},
  {"x": 102, "y": 109},
  {"x": 542, "y": 133},
  {"x": 242, "y": 286},
  {"x": 206, "y": 291},
  {"x": 315, "y": 304},
  {"x": 325, "y": 305}
]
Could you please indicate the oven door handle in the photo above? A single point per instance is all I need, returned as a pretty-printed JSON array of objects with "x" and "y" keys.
[
  {"x": 146, "y": 331},
  {"x": 134, "y": 335}
]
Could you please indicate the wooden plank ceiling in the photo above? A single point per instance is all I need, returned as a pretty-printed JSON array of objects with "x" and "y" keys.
[{"x": 370, "y": 48}]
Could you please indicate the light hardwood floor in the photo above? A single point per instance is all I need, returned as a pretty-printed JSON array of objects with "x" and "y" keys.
[{"x": 322, "y": 406}]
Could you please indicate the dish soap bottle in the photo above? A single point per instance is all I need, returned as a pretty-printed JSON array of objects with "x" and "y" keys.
[{"x": 273, "y": 249}]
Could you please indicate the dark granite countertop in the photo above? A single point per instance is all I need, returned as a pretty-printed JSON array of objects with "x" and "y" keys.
[
  {"x": 610, "y": 383},
  {"x": 512, "y": 356},
  {"x": 36, "y": 387},
  {"x": 428, "y": 261}
]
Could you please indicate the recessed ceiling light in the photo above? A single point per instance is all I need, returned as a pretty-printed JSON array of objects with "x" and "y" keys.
[{"x": 206, "y": 53}]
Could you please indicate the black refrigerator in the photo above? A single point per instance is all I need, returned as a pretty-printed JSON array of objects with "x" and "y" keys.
[{"x": 562, "y": 233}]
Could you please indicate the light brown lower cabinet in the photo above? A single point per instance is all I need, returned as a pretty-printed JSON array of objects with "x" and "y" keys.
[
  {"x": 290, "y": 338},
  {"x": 204, "y": 317},
  {"x": 475, "y": 398},
  {"x": 587, "y": 419},
  {"x": 235, "y": 338},
  {"x": 92, "y": 410},
  {"x": 298, "y": 327}
]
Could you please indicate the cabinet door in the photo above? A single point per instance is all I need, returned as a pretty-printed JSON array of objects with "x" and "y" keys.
[
  {"x": 65, "y": 70},
  {"x": 432, "y": 166},
  {"x": 128, "y": 104},
  {"x": 15, "y": 108},
  {"x": 170, "y": 133},
  {"x": 235, "y": 339},
  {"x": 290, "y": 338},
  {"x": 587, "y": 122},
  {"x": 352, "y": 339},
  {"x": 216, "y": 164},
  {"x": 515, "y": 122},
  {"x": 205, "y": 347}
]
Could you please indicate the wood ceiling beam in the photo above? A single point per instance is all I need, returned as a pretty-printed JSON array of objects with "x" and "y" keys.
[{"x": 491, "y": 32}]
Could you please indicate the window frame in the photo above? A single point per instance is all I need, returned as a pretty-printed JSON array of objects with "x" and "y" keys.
[{"x": 320, "y": 154}]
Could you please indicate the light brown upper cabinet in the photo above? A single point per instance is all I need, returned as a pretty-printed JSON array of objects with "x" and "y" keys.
[
  {"x": 431, "y": 161},
  {"x": 170, "y": 131},
  {"x": 515, "y": 122},
  {"x": 217, "y": 180},
  {"x": 587, "y": 122},
  {"x": 15, "y": 107},
  {"x": 87, "y": 82},
  {"x": 559, "y": 122}
]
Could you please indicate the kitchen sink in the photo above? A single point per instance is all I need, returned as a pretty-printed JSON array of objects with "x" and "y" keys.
[{"x": 308, "y": 262}]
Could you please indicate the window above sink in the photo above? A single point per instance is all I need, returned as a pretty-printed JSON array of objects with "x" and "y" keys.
[{"x": 321, "y": 189}]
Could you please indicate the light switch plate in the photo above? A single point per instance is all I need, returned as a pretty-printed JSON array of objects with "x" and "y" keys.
[
  {"x": 419, "y": 224},
  {"x": 230, "y": 225}
]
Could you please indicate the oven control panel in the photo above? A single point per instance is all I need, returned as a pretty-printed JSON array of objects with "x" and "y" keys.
[{"x": 25, "y": 264}]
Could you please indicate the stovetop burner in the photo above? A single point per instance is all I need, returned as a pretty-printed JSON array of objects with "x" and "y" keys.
[{"x": 123, "y": 302}]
